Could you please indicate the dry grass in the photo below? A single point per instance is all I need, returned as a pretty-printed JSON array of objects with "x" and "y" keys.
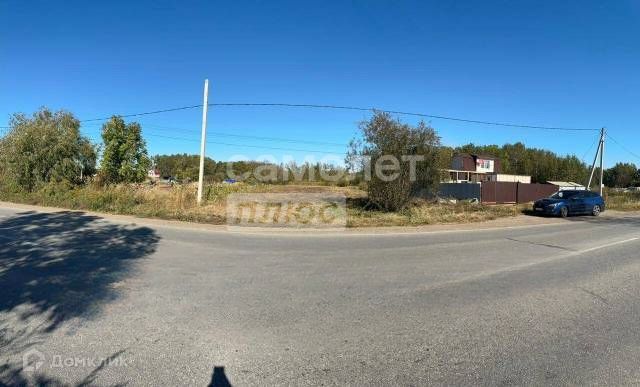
[
  {"x": 623, "y": 201},
  {"x": 179, "y": 203},
  {"x": 422, "y": 213}
]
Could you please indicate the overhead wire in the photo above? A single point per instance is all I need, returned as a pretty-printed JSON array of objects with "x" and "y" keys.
[
  {"x": 264, "y": 138},
  {"x": 408, "y": 114},
  {"x": 622, "y": 146},
  {"x": 143, "y": 113},
  {"x": 588, "y": 150},
  {"x": 355, "y": 108},
  {"x": 241, "y": 145}
]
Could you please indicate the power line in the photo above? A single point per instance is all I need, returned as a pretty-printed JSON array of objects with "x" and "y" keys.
[
  {"x": 587, "y": 151},
  {"x": 355, "y": 108},
  {"x": 408, "y": 114},
  {"x": 240, "y": 145},
  {"x": 265, "y": 138},
  {"x": 623, "y": 147},
  {"x": 144, "y": 113}
]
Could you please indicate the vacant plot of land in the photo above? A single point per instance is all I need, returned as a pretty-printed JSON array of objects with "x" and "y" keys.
[
  {"x": 623, "y": 201},
  {"x": 179, "y": 203}
]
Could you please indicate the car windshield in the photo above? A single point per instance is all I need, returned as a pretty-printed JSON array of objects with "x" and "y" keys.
[{"x": 564, "y": 194}]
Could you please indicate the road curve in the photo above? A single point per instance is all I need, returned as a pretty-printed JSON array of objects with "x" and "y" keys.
[{"x": 556, "y": 304}]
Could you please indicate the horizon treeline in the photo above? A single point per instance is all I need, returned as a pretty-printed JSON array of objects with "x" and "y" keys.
[{"x": 49, "y": 146}]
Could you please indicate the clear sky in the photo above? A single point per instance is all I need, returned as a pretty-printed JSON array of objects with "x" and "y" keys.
[{"x": 552, "y": 63}]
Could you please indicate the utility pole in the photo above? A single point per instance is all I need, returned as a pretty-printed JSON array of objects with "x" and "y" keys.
[
  {"x": 599, "y": 151},
  {"x": 203, "y": 139},
  {"x": 602, "y": 136}
]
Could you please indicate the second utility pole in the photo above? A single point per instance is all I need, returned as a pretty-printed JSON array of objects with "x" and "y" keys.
[
  {"x": 602, "y": 135},
  {"x": 203, "y": 139},
  {"x": 599, "y": 150}
]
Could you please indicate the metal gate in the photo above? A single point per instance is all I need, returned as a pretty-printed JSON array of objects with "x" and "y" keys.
[
  {"x": 510, "y": 192},
  {"x": 499, "y": 192}
]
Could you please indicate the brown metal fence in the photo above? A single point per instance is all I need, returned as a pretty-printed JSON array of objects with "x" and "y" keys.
[
  {"x": 499, "y": 192},
  {"x": 508, "y": 192},
  {"x": 533, "y": 192}
]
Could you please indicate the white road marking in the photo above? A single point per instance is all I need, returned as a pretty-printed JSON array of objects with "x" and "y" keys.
[
  {"x": 527, "y": 265},
  {"x": 606, "y": 245},
  {"x": 567, "y": 255}
]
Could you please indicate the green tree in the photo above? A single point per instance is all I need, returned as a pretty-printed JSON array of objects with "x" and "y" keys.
[
  {"x": 185, "y": 167},
  {"x": 403, "y": 160},
  {"x": 621, "y": 175},
  {"x": 46, "y": 147},
  {"x": 125, "y": 158}
]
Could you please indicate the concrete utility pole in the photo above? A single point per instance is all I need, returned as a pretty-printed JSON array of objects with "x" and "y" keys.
[
  {"x": 203, "y": 139},
  {"x": 602, "y": 136},
  {"x": 599, "y": 151}
]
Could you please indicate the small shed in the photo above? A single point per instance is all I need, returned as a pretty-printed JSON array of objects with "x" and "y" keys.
[
  {"x": 567, "y": 185},
  {"x": 510, "y": 178}
]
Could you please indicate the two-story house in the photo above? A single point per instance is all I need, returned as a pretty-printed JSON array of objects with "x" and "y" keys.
[{"x": 475, "y": 168}]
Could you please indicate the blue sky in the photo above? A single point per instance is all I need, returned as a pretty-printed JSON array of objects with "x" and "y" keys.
[{"x": 533, "y": 62}]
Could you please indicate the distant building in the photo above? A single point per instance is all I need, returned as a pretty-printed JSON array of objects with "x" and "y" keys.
[
  {"x": 472, "y": 168},
  {"x": 567, "y": 185},
  {"x": 475, "y": 163},
  {"x": 153, "y": 174}
]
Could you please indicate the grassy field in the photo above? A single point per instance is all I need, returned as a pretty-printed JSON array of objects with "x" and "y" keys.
[
  {"x": 623, "y": 201},
  {"x": 423, "y": 212},
  {"x": 179, "y": 203}
]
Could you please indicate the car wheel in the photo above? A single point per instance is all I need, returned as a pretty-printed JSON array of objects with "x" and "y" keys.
[
  {"x": 596, "y": 210},
  {"x": 564, "y": 212}
]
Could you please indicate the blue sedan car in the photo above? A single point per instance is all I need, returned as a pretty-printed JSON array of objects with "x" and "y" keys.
[{"x": 565, "y": 203}]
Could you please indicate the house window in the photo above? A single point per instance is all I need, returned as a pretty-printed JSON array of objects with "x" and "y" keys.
[{"x": 484, "y": 164}]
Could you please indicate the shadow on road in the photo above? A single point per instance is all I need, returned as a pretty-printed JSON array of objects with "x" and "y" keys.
[
  {"x": 58, "y": 266},
  {"x": 218, "y": 378}
]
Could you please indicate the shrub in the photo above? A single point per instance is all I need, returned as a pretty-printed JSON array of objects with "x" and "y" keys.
[
  {"x": 409, "y": 152},
  {"x": 46, "y": 147}
]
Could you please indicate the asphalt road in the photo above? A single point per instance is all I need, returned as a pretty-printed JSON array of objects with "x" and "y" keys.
[{"x": 546, "y": 305}]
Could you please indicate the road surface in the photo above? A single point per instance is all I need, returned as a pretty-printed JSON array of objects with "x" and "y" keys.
[{"x": 554, "y": 305}]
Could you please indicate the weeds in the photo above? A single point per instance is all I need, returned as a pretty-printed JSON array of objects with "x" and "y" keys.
[
  {"x": 179, "y": 203},
  {"x": 422, "y": 213},
  {"x": 623, "y": 201}
]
